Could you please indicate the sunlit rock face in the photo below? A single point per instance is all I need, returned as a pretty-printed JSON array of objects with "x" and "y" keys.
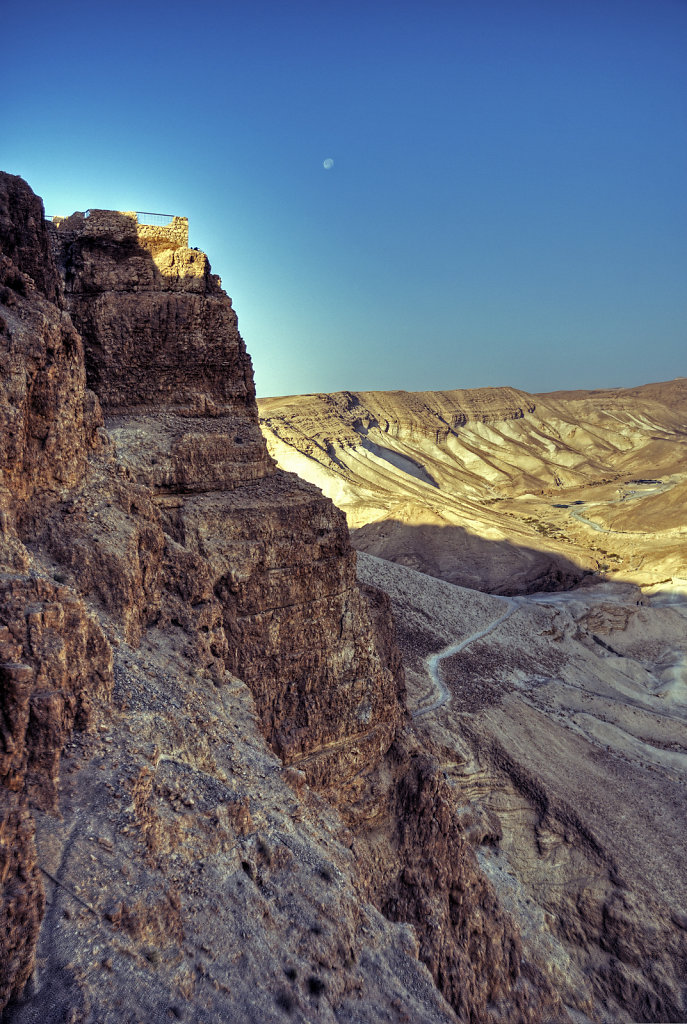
[{"x": 495, "y": 489}]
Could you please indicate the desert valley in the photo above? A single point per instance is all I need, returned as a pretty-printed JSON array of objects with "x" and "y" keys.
[
  {"x": 256, "y": 767},
  {"x": 557, "y": 710}
]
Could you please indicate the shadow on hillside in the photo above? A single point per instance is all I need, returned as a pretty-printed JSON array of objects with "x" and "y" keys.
[{"x": 454, "y": 554}]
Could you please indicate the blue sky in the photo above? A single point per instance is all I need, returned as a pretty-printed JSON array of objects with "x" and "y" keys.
[{"x": 507, "y": 205}]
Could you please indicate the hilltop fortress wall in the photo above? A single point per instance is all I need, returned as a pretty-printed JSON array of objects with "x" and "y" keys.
[{"x": 154, "y": 236}]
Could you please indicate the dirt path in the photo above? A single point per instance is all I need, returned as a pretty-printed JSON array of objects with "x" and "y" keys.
[
  {"x": 433, "y": 661},
  {"x": 659, "y": 488}
]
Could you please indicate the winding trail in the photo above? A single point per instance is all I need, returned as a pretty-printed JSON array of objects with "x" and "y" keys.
[
  {"x": 433, "y": 661},
  {"x": 590, "y": 522}
]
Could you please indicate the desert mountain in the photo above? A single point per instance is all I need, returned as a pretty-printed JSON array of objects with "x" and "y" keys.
[
  {"x": 497, "y": 489},
  {"x": 230, "y": 788}
]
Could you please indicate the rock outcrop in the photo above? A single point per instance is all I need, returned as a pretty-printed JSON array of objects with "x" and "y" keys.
[
  {"x": 24, "y": 239},
  {"x": 257, "y": 566},
  {"x": 424, "y": 872}
]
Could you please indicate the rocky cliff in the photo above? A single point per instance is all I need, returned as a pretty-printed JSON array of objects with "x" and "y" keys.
[
  {"x": 257, "y": 567},
  {"x": 54, "y": 660},
  {"x": 189, "y": 669}
]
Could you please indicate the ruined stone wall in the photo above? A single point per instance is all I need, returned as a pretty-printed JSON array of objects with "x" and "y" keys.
[
  {"x": 156, "y": 237},
  {"x": 153, "y": 237}
]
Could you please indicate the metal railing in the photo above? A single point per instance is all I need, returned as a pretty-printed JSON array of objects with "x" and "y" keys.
[{"x": 159, "y": 219}]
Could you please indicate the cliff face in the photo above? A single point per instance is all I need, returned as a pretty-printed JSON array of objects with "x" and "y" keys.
[
  {"x": 47, "y": 418},
  {"x": 172, "y": 515},
  {"x": 182, "y": 629},
  {"x": 24, "y": 240},
  {"x": 54, "y": 660},
  {"x": 257, "y": 566},
  {"x": 425, "y": 873}
]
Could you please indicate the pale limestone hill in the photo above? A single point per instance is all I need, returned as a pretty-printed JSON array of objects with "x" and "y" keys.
[{"x": 477, "y": 487}]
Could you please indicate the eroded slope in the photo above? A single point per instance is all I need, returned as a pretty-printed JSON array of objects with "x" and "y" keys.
[
  {"x": 562, "y": 740},
  {"x": 477, "y": 487}
]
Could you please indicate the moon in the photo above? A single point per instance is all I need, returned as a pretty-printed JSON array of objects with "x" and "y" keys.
[{"x": 328, "y": 164}]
